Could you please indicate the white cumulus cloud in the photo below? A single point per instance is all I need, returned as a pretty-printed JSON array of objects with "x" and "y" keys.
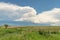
[
  {"x": 51, "y": 16},
  {"x": 26, "y": 13},
  {"x": 11, "y": 12}
]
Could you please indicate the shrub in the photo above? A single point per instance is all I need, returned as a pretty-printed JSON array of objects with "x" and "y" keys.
[
  {"x": 55, "y": 32},
  {"x": 44, "y": 33}
]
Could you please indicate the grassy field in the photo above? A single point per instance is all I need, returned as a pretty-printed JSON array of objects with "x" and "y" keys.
[{"x": 30, "y": 33}]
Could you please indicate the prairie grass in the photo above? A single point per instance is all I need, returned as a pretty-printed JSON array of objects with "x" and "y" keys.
[{"x": 30, "y": 33}]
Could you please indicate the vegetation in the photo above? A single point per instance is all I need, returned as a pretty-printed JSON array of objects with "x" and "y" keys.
[
  {"x": 6, "y": 25},
  {"x": 30, "y": 33}
]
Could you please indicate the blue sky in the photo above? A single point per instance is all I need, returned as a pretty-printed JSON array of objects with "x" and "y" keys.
[
  {"x": 39, "y": 5},
  {"x": 31, "y": 12}
]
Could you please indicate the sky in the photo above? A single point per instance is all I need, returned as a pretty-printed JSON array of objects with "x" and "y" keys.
[
  {"x": 39, "y": 5},
  {"x": 35, "y": 11}
]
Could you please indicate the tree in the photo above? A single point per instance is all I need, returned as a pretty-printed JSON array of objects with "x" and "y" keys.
[{"x": 5, "y": 25}]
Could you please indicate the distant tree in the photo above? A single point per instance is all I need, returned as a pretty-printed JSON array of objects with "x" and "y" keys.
[{"x": 6, "y": 25}]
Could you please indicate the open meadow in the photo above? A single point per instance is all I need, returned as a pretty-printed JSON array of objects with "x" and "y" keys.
[{"x": 30, "y": 33}]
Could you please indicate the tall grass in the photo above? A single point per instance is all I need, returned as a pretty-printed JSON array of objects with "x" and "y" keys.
[{"x": 30, "y": 33}]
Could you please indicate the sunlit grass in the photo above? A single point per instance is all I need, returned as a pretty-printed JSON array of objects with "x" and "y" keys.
[{"x": 30, "y": 33}]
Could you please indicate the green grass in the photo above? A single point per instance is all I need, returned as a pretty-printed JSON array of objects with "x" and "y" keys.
[{"x": 30, "y": 33}]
